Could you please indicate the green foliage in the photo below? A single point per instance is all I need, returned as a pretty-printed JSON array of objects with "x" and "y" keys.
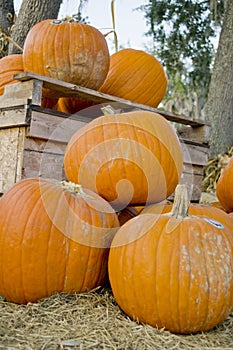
[{"x": 183, "y": 33}]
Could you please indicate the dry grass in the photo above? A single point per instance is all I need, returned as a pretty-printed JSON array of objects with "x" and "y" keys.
[{"x": 93, "y": 321}]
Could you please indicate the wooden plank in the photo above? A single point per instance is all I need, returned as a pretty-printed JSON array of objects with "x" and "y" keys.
[
  {"x": 11, "y": 156},
  {"x": 46, "y": 165},
  {"x": 53, "y": 127},
  {"x": 13, "y": 117},
  {"x": 195, "y": 153},
  {"x": 193, "y": 169},
  {"x": 44, "y": 146},
  {"x": 199, "y": 134},
  {"x": 67, "y": 89},
  {"x": 17, "y": 94}
]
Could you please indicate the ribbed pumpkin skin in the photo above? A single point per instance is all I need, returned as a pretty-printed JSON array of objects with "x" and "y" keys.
[
  {"x": 136, "y": 76},
  {"x": 180, "y": 278},
  {"x": 204, "y": 210},
  {"x": 72, "y": 105},
  {"x": 9, "y": 65},
  {"x": 52, "y": 240},
  {"x": 127, "y": 158},
  {"x": 224, "y": 188},
  {"x": 70, "y": 51}
]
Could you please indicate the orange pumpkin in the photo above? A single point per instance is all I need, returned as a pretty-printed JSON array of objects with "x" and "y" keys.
[
  {"x": 70, "y": 51},
  {"x": 184, "y": 264},
  {"x": 205, "y": 210},
  {"x": 9, "y": 65},
  {"x": 136, "y": 76},
  {"x": 72, "y": 105},
  {"x": 224, "y": 188},
  {"x": 54, "y": 237},
  {"x": 129, "y": 158}
]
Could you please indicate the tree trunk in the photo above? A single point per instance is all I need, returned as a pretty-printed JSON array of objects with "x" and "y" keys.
[
  {"x": 219, "y": 107},
  {"x": 7, "y": 15},
  {"x": 30, "y": 13}
]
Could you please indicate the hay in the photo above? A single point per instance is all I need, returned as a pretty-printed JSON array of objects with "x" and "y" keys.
[
  {"x": 93, "y": 321},
  {"x": 213, "y": 170}
]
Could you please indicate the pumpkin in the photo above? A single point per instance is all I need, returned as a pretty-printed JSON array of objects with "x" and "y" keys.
[
  {"x": 54, "y": 237},
  {"x": 183, "y": 262},
  {"x": 72, "y": 105},
  {"x": 9, "y": 65},
  {"x": 71, "y": 51},
  {"x": 47, "y": 102},
  {"x": 127, "y": 158},
  {"x": 224, "y": 188},
  {"x": 205, "y": 210},
  {"x": 217, "y": 204},
  {"x": 136, "y": 76}
]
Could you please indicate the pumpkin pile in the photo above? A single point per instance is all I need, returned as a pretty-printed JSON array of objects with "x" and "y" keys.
[{"x": 170, "y": 266}]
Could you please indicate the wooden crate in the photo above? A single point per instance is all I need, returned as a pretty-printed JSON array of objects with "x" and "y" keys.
[{"x": 33, "y": 139}]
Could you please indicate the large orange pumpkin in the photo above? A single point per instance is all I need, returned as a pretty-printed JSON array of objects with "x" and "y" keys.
[
  {"x": 54, "y": 237},
  {"x": 70, "y": 51},
  {"x": 224, "y": 187},
  {"x": 136, "y": 76},
  {"x": 10, "y": 65},
  {"x": 173, "y": 271},
  {"x": 128, "y": 158}
]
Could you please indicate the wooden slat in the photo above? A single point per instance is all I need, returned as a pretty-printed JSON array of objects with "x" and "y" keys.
[
  {"x": 41, "y": 146},
  {"x": 195, "y": 153},
  {"x": 51, "y": 127},
  {"x": 46, "y": 165},
  {"x": 13, "y": 117},
  {"x": 17, "y": 94},
  {"x": 67, "y": 89},
  {"x": 11, "y": 156},
  {"x": 199, "y": 134}
]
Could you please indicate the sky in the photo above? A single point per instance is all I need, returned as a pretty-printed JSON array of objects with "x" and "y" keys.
[{"x": 130, "y": 24}]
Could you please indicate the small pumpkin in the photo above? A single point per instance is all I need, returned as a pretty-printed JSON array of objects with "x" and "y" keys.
[
  {"x": 224, "y": 188},
  {"x": 54, "y": 237},
  {"x": 184, "y": 264},
  {"x": 71, "y": 51},
  {"x": 127, "y": 158},
  {"x": 137, "y": 76},
  {"x": 10, "y": 65}
]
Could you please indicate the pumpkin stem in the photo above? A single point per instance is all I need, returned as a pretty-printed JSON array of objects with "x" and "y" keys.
[
  {"x": 181, "y": 202},
  {"x": 75, "y": 189},
  {"x": 109, "y": 110}
]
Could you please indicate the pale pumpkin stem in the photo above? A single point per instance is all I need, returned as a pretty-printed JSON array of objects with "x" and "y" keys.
[
  {"x": 109, "y": 110},
  {"x": 181, "y": 202},
  {"x": 75, "y": 189}
]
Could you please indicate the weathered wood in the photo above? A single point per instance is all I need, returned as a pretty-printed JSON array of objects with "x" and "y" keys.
[
  {"x": 13, "y": 117},
  {"x": 17, "y": 94},
  {"x": 53, "y": 127},
  {"x": 43, "y": 164},
  {"x": 194, "y": 153},
  {"x": 199, "y": 134},
  {"x": 11, "y": 156},
  {"x": 40, "y": 146},
  {"x": 67, "y": 89}
]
